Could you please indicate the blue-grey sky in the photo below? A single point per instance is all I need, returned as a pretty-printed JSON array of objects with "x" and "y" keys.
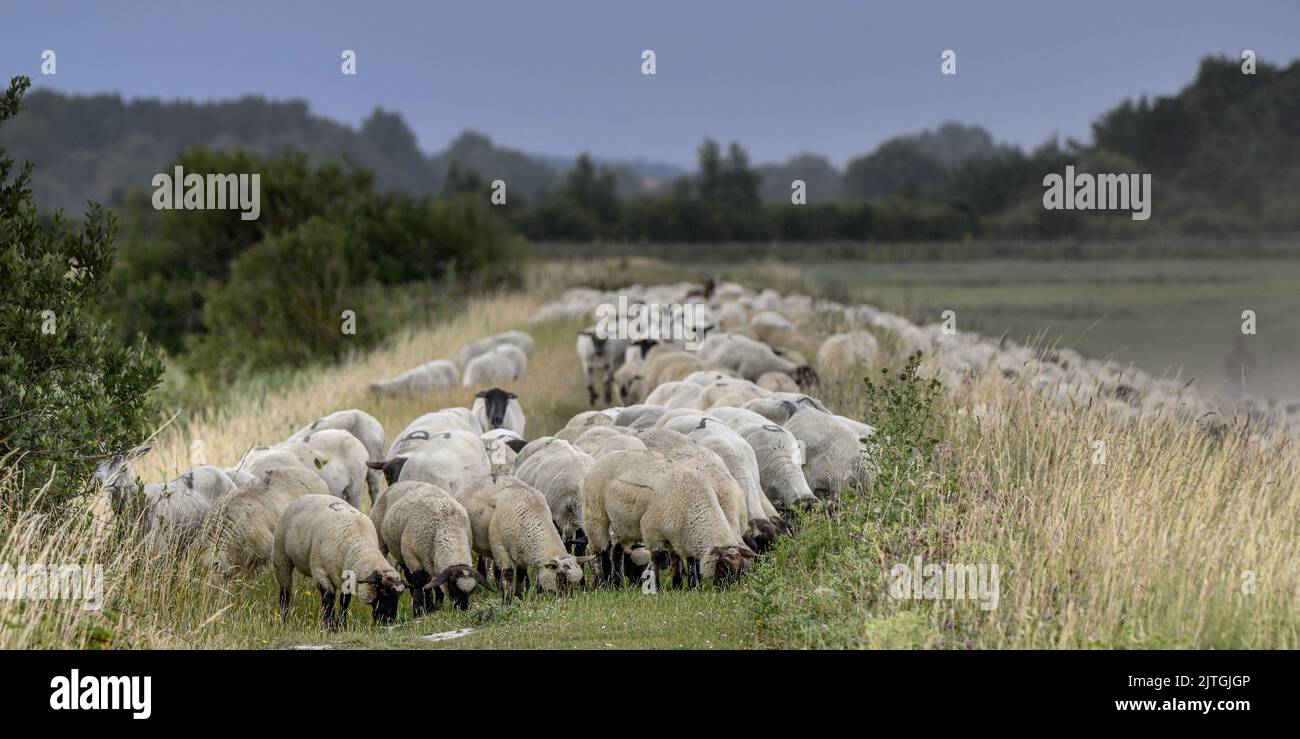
[{"x": 563, "y": 76}]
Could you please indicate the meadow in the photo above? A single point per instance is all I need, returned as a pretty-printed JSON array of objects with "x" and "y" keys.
[{"x": 1178, "y": 539}]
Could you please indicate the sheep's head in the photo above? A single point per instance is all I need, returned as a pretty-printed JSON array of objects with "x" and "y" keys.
[
  {"x": 116, "y": 475},
  {"x": 806, "y": 377},
  {"x": 460, "y": 581},
  {"x": 727, "y": 564},
  {"x": 562, "y": 573},
  {"x": 495, "y": 403},
  {"x": 392, "y": 468},
  {"x": 762, "y": 534},
  {"x": 381, "y": 591},
  {"x": 629, "y": 387}
]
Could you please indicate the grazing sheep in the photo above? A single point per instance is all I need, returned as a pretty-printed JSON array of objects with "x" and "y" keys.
[
  {"x": 833, "y": 456},
  {"x": 631, "y": 414},
  {"x": 630, "y": 382},
  {"x": 842, "y": 353},
  {"x": 591, "y": 439},
  {"x": 681, "y": 449},
  {"x": 557, "y": 471},
  {"x": 338, "y": 457},
  {"x": 428, "y": 533},
  {"x": 498, "y": 409},
  {"x": 175, "y": 509},
  {"x": 600, "y": 357},
  {"x": 512, "y": 524},
  {"x": 360, "y": 424},
  {"x": 505, "y": 363},
  {"x": 242, "y": 525},
  {"x": 778, "y": 382},
  {"x": 434, "y": 376},
  {"x": 752, "y": 359},
  {"x": 517, "y": 339},
  {"x": 779, "y": 454},
  {"x": 448, "y": 459},
  {"x": 742, "y": 463},
  {"x": 774, "y": 329},
  {"x": 642, "y": 498},
  {"x": 337, "y": 546}
]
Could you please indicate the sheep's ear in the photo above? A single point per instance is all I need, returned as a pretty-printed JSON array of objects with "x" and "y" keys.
[
  {"x": 746, "y": 552},
  {"x": 511, "y": 396},
  {"x": 481, "y": 394}
]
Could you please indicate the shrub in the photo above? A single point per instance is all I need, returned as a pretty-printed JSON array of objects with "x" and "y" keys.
[{"x": 68, "y": 389}]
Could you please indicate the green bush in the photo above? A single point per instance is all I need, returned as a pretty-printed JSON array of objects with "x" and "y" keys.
[{"x": 69, "y": 391}]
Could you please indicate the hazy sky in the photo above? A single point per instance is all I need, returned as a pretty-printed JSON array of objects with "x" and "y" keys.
[{"x": 563, "y": 76}]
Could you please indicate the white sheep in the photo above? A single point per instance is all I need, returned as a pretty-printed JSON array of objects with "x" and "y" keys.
[
  {"x": 557, "y": 471},
  {"x": 448, "y": 459},
  {"x": 433, "y": 376},
  {"x": 752, "y": 359},
  {"x": 780, "y": 457},
  {"x": 636, "y": 497},
  {"x": 337, "y": 546},
  {"x": 497, "y": 409},
  {"x": 360, "y": 424},
  {"x": 512, "y": 524},
  {"x": 742, "y": 463},
  {"x": 174, "y": 509},
  {"x": 429, "y": 424},
  {"x": 241, "y": 526},
  {"x": 518, "y": 339},
  {"x": 833, "y": 455},
  {"x": 504, "y": 363},
  {"x": 338, "y": 457},
  {"x": 428, "y": 533},
  {"x": 843, "y": 353},
  {"x": 682, "y": 449}
]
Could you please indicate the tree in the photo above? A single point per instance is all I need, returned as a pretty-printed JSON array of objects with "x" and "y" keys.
[{"x": 69, "y": 393}]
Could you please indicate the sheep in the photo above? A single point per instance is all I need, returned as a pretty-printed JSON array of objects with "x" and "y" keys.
[
  {"x": 362, "y": 425},
  {"x": 505, "y": 363},
  {"x": 833, "y": 456},
  {"x": 742, "y": 463},
  {"x": 842, "y": 353},
  {"x": 448, "y": 459},
  {"x": 588, "y": 419},
  {"x": 675, "y": 394},
  {"x": 778, "y": 382},
  {"x": 242, "y": 525},
  {"x": 430, "y": 424},
  {"x": 512, "y": 524},
  {"x": 557, "y": 472},
  {"x": 774, "y": 329},
  {"x": 682, "y": 449},
  {"x": 497, "y": 409},
  {"x": 600, "y": 356},
  {"x": 263, "y": 458},
  {"x": 633, "y": 413},
  {"x": 434, "y": 376},
  {"x": 518, "y": 339},
  {"x": 629, "y": 380},
  {"x": 779, "y": 454},
  {"x": 337, "y": 546},
  {"x": 428, "y": 534},
  {"x": 752, "y": 359},
  {"x": 641, "y": 497},
  {"x": 338, "y": 457},
  {"x": 175, "y": 509},
  {"x": 591, "y": 439}
]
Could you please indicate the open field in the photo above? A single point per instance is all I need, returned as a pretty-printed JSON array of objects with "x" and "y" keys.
[{"x": 1152, "y": 548}]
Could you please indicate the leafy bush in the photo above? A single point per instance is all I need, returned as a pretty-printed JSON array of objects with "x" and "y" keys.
[
  {"x": 68, "y": 389},
  {"x": 827, "y": 586}
]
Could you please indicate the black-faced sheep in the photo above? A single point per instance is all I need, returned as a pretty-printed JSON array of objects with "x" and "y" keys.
[
  {"x": 496, "y": 409},
  {"x": 337, "y": 546},
  {"x": 600, "y": 357},
  {"x": 428, "y": 533}
]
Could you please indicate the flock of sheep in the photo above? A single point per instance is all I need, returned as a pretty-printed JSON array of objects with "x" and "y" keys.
[{"x": 694, "y": 465}]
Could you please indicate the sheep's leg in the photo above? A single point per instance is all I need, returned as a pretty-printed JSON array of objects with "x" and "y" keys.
[
  {"x": 419, "y": 596},
  {"x": 481, "y": 565},
  {"x": 693, "y": 572},
  {"x": 505, "y": 577},
  {"x": 521, "y": 580},
  {"x": 677, "y": 571},
  {"x": 345, "y": 600},
  {"x": 327, "y": 607},
  {"x": 616, "y": 567},
  {"x": 631, "y": 570},
  {"x": 437, "y": 595},
  {"x": 285, "y": 595},
  {"x": 580, "y": 542},
  {"x": 609, "y": 385}
]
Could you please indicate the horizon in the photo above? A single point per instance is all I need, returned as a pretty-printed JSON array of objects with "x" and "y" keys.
[{"x": 528, "y": 84}]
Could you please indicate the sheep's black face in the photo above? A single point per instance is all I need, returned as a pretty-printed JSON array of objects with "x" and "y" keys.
[
  {"x": 765, "y": 536},
  {"x": 732, "y": 562},
  {"x": 392, "y": 469},
  {"x": 385, "y": 605},
  {"x": 806, "y": 377},
  {"x": 495, "y": 402}
]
